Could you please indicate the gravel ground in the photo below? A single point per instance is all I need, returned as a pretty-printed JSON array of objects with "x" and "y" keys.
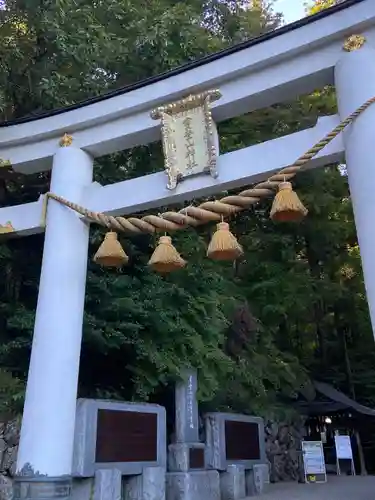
[{"x": 337, "y": 488}]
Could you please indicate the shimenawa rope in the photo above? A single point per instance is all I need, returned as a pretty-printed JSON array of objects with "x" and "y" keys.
[{"x": 209, "y": 210}]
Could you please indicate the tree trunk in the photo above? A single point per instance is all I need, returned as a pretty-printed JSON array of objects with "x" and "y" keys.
[
  {"x": 341, "y": 332},
  {"x": 314, "y": 266}
]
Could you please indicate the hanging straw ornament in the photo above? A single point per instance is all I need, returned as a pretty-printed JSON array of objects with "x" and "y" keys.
[
  {"x": 165, "y": 257},
  {"x": 110, "y": 253},
  {"x": 223, "y": 244},
  {"x": 286, "y": 206}
]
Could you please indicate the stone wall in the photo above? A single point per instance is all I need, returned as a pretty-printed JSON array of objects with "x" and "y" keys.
[
  {"x": 283, "y": 448},
  {"x": 9, "y": 438}
]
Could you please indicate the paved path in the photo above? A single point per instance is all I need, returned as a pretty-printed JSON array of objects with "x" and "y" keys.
[{"x": 337, "y": 488}]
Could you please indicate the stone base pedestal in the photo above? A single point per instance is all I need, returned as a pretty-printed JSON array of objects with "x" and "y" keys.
[
  {"x": 257, "y": 480},
  {"x": 194, "y": 485},
  {"x": 232, "y": 483},
  {"x": 83, "y": 489},
  {"x": 107, "y": 484},
  {"x": 150, "y": 485},
  {"x": 183, "y": 457},
  {"x": 42, "y": 487}
]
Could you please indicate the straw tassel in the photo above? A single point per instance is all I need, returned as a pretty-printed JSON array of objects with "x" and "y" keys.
[
  {"x": 223, "y": 244},
  {"x": 286, "y": 206},
  {"x": 110, "y": 253},
  {"x": 165, "y": 257}
]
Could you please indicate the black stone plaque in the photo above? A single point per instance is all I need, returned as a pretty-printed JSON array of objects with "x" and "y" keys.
[
  {"x": 242, "y": 440},
  {"x": 196, "y": 458},
  {"x": 126, "y": 436}
]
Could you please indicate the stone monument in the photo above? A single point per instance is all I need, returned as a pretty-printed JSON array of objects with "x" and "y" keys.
[
  {"x": 235, "y": 446},
  {"x": 123, "y": 447},
  {"x": 188, "y": 478}
]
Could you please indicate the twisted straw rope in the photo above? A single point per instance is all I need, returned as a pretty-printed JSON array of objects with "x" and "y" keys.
[{"x": 209, "y": 210}]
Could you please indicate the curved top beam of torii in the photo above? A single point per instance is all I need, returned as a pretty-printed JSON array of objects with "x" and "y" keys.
[{"x": 291, "y": 61}]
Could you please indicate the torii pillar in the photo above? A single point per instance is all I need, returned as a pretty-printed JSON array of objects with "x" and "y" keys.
[
  {"x": 45, "y": 453},
  {"x": 355, "y": 84}
]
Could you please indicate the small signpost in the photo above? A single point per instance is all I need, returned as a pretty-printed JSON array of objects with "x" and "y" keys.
[
  {"x": 344, "y": 451},
  {"x": 313, "y": 462}
]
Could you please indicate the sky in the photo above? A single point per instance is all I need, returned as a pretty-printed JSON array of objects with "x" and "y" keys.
[{"x": 292, "y": 9}]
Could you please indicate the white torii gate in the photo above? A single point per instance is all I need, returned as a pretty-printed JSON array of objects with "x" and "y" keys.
[{"x": 291, "y": 61}]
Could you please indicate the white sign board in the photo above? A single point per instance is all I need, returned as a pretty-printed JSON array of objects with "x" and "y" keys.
[
  {"x": 313, "y": 462},
  {"x": 343, "y": 448}
]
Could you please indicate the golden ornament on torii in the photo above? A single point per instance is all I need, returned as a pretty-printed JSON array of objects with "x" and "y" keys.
[{"x": 354, "y": 42}]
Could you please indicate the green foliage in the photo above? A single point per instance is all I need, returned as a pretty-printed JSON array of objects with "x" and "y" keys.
[
  {"x": 319, "y": 5},
  {"x": 155, "y": 324},
  {"x": 303, "y": 283},
  {"x": 11, "y": 395}
]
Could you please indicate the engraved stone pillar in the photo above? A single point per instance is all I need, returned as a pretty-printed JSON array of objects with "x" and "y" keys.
[
  {"x": 187, "y": 453},
  {"x": 187, "y": 424},
  {"x": 188, "y": 479}
]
